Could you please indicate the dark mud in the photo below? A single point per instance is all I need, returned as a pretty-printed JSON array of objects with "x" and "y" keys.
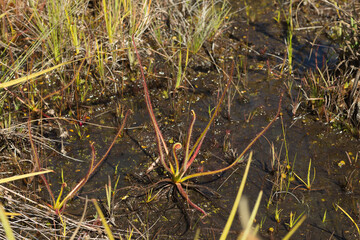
[{"x": 258, "y": 43}]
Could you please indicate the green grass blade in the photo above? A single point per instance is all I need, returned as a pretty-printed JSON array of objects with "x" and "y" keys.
[
  {"x": 298, "y": 177},
  {"x": 308, "y": 174},
  {"x": 179, "y": 75},
  {"x": 14, "y": 178},
  {"x": 5, "y": 222},
  {"x": 237, "y": 200}
]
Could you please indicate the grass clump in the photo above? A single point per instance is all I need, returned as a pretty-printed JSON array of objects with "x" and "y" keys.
[{"x": 332, "y": 91}]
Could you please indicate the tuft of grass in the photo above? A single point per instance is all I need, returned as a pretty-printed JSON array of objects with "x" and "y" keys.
[
  {"x": 187, "y": 34},
  {"x": 110, "y": 195},
  {"x": 293, "y": 219},
  {"x": 333, "y": 90},
  {"x": 277, "y": 214},
  {"x": 309, "y": 181}
]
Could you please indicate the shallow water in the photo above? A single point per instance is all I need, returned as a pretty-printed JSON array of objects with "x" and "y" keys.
[{"x": 261, "y": 43}]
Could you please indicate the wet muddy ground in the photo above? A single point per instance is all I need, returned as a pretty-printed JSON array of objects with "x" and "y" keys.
[{"x": 259, "y": 45}]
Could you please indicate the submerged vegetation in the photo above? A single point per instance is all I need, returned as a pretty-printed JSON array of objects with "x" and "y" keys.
[{"x": 69, "y": 67}]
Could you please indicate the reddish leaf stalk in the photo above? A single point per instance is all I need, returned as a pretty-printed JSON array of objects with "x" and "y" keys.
[
  {"x": 37, "y": 162},
  {"x": 58, "y": 206},
  {"x": 186, "y": 196},
  {"x": 159, "y": 138},
  {"x": 243, "y": 152},
  {"x": 92, "y": 167}
]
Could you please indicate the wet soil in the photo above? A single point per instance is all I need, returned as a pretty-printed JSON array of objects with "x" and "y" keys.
[{"x": 259, "y": 44}]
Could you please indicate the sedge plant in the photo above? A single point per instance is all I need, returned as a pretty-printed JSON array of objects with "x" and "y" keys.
[
  {"x": 293, "y": 219},
  {"x": 178, "y": 170},
  {"x": 309, "y": 181}
]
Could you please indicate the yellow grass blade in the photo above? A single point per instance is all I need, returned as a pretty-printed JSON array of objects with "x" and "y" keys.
[
  {"x": 247, "y": 230},
  {"x": 2, "y": 15},
  {"x": 31, "y": 76},
  {"x": 351, "y": 219},
  {"x": 5, "y": 222},
  {"x": 103, "y": 220},
  {"x": 237, "y": 200},
  {"x": 14, "y": 178},
  {"x": 12, "y": 214},
  {"x": 293, "y": 230}
]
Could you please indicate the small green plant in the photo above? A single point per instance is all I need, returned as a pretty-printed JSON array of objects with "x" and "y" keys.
[
  {"x": 181, "y": 71},
  {"x": 100, "y": 57},
  {"x": 293, "y": 219},
  {"x": 110, "y": 195},
  {"x": 262, "y": 222},
  {"x": 71, "y": 25},
  {"x": 150, "y": 196},
  {"x": 309, "y": 181},
  {"x": 324, "y": 217},
  {"x": 293, "y": 230},
  {"x": 278, "y": 213},
  {"x": 282, "y": 170},
  {"x": 278, "y": 16}
]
